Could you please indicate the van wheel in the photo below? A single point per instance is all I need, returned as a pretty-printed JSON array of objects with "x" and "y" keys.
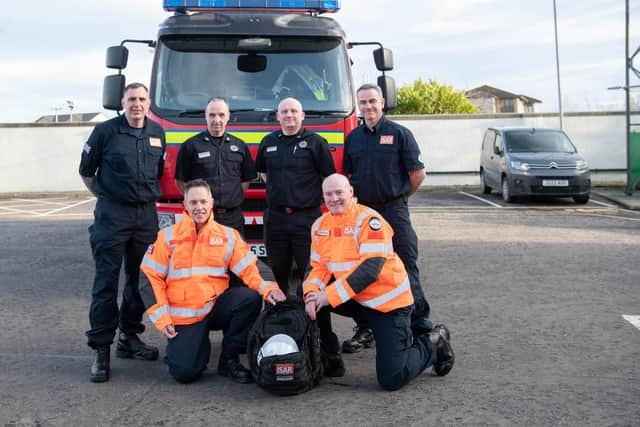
[
  {"x": 581, "y": 200},
  {"x": 483, "y": 184},
  {"x": 506, "y": 192}
]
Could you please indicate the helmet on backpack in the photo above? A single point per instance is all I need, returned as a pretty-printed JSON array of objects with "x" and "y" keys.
[{"x": 277, "y": 345}]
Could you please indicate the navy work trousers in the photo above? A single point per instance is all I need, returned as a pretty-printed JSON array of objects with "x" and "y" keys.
[
  {"x": 234, "y": 312},
  {"x": 399, "y": 357},
  {"x": 288, "y": 237},
  {"x": 119, "y": 232}
]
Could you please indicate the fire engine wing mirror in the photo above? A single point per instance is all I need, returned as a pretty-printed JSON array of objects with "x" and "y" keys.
[
  {"x": 383, "y": 58},
  {"x": 388, "y": 86},
  {"x": 112, "y": 91},
  {"x": 117, "y": 57},
  {"x": 252, "y": 63}
]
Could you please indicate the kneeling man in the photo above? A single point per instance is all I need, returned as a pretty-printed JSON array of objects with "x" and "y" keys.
[
  {"x": 186, "y": 290},
  {"x": 355, "y": 271}
]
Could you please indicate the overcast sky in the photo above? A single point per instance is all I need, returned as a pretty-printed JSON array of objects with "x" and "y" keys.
[{"x": 53, "y": 51}]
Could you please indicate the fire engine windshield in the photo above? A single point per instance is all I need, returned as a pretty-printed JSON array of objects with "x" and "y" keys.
[{"x": 188, "y": 71}]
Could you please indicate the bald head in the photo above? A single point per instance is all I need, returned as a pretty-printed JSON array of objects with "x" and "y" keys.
[
  {"x": 290, "y": 116},
  {"x": 337, "y": 193}
]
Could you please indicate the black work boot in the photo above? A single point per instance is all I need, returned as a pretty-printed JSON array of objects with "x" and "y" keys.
[
  {"x": 100, "y": 367},
  {"x": 230, "y": 366},
  {"x": 363, "y": 338},
  {"x": 132, "y": 347},
  {"x": 445, "y": 358},
  {"x": 333, "y": 365}
]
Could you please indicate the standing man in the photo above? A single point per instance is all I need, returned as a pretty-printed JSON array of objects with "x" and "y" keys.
[
  {"x": 121, "y": 165},
  {"x": 222, "y": 160},
  {"x": 186, "y": 289},
  {"x": 385, "y": 167},
  {"x": 354, "y": 271},
  {"x": 293, "y": 162}
]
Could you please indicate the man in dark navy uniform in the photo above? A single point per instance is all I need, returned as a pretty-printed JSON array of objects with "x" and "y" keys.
[
  {"x": 385, "y": 167},
  {"x": 222, "y": 160},
  {"x": 121, "y": 164},
  {"x": 293, "y": 162}
]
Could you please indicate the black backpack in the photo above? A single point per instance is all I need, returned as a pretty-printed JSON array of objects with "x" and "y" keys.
[{"x": 291, "y": 373}]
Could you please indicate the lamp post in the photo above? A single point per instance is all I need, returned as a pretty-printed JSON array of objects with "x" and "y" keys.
[
  {"x": 555, "y": 27},
  {"x": 70, "y": 106}
]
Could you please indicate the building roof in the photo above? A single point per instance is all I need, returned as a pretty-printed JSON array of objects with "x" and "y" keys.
[
  {"x": 485, "y": 90},
  {"x": 76, "y": 118}
]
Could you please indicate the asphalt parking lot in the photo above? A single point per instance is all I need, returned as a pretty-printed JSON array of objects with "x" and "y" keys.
[{"x": 542, "y": 298}]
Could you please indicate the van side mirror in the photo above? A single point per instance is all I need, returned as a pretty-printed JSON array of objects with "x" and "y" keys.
[
  {"x": 497, "y": 150},
  {"x": 117, "y": 57},
  {"x": 383, "y": 58},
  {"x": 112, "y": 92},
  {"x": 389, "y": 93}
]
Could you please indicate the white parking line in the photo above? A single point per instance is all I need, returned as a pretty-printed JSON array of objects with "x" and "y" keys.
[
  {"x": 489, "y": 202},
  {"x": 68, "y": 207},
  {"x": 634, "y": 320},
  {"x": 603, "y": 204},
  {"x": 12, "y": 210}
]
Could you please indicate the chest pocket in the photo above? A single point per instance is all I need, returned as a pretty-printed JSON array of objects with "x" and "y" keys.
[
  {"x": 386, "y": 157},
  {"x": 152, "y": 159},
  {"x": 232, "y": 162},
  {"x": 301, "y": 160}
]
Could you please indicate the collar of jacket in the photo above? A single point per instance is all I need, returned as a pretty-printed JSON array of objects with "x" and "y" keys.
[{"x": 189, "y": 224}]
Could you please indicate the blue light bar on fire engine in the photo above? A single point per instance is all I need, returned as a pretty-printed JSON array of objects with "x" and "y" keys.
[{"x": 288, "y": 5}]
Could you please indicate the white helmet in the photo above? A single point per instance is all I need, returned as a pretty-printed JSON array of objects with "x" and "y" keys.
[{"x": 277, "y": 344}]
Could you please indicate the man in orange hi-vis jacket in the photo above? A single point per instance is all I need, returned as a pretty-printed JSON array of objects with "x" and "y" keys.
[
  {"x": 354, "y": 270},
  {"x": 186, "y": 289}
]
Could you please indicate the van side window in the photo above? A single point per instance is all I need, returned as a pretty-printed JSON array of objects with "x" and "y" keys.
[
  {"x": 487, "y": 141},
  {"x": 499, "y": 144}
]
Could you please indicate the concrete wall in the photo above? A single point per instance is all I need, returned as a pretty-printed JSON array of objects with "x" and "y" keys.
[{"x": 38, "y": 158}]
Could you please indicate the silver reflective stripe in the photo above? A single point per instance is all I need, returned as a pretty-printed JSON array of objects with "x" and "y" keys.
[
  {"x": 341, "y": 266},
  {"x": 367, "y": 248},
  {"x": 158, "y": 313},
  {"x": 155, "y": 266},
  {"x": 190, "y": 312},
  {"x": 382, "y": 299},
  {"x": 243, "y": 263},
  {"x": 314, "y": 256},
  {"x": 264, "y": 285},
  {"x": 230, "y": 245},
  {"x": 181, "y": 273},
  {"x": 168, "y": 235},
  {"x": 315, "y": 281},
  {"x": 361, "y": 217},
  {"x": 342, "y": 292}
]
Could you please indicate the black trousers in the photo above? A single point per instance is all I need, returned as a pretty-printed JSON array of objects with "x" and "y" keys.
[
  {"x": 399, "y": 357},
  {"x": 405, "y": 244},
  {"x": 287, "y": 238},
  {"x": 119, "y": 232},
  {"x": 234, "y": 313}
]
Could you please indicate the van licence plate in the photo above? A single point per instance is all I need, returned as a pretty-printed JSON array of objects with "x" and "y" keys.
[
  {"x": 258, "y": 249},
  {"x": 555, "y": 182}
]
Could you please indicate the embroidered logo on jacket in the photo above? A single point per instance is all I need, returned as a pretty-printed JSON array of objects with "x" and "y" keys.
[
  {"x": 375, "y": 224},
  {"x": 386, "y": 139},
  {"x": 216, "y": 241}
]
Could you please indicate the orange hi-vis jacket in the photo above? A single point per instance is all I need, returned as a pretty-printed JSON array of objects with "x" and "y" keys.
[
  {"x": 187, "y": 271},
  {"x": 355, "y": 248}
]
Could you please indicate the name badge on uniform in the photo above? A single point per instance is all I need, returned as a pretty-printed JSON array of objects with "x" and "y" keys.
[
  {"x": 204, "y": 154},
  {"x": 155, "y": 142},
  {"x": 272, "y": 148},
  {"x": 386, "y": 139},
  {"x": 322, "y": 232},
  {"x": 215, "y": 241}
]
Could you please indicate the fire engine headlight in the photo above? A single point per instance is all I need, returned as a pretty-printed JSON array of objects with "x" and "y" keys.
[{"x": 166, "y": 219}]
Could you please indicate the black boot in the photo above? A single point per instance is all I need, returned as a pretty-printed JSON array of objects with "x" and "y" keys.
[
  {"x": 445, "y": 358},
  {"x": 333, "y": 365},
  {"x": 363, "y": 338},
  {"x": 230, "y": 366},
  {"x": 100, "y": 367},
  {"x": 132, "y": 347}
]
